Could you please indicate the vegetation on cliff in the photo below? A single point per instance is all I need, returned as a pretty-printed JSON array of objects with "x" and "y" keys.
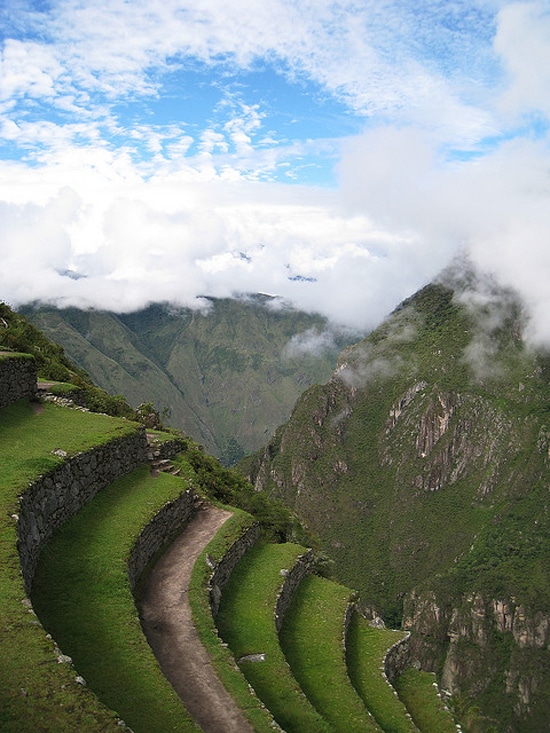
[{"x": 423, "y": 465}]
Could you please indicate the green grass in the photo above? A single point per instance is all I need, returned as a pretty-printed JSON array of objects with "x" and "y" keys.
[
  {"x": 221, "y": 657},
  {"x": 6, "y": 353},
  {"x": 28, "y": 439},
  {"x": 366, "y": 650},
  {"x": 312, "y": 640},
  {"x": 246, "y": 622},
  {"x": 418, "y": 691},
  {"x": 82, "y": 595},
  {"x": 37, "y": 693},
  {"x": 62, "y": 388}
]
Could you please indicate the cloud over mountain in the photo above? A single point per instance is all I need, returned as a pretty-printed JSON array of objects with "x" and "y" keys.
[{"x": 335, "y": 155}]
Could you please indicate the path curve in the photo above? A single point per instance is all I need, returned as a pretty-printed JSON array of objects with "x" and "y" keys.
[{"x": 168, "y": 626}]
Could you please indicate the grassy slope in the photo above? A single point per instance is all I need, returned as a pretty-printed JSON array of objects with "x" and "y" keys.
[
  {"x": 312, "y": 640},
  {"x": 82, "y": 596},
  {"x": 246, "y": 622},
  {"x": 34, "y": 688},
  {"x": 222, "y": 659},
  {"x": 366, "y": 650},
  {"x": 418, "y": 690},
  {"x": 36, "y": 693}
]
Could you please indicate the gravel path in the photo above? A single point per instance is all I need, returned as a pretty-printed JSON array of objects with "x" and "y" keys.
[{"x": 168, "y": 626}]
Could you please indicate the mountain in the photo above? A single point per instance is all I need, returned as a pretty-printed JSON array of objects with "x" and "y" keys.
[
  {"x": 424, "y": 467},
  {"x": 18, "y": 334},
  {"x": 227, "y": 375}
]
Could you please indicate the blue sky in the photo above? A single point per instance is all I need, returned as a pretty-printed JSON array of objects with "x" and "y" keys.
[{"x": 336, "y": 153}]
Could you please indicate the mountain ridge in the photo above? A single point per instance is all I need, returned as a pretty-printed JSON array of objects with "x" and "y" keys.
[
  {"x": 227, "y": 375},
  {"x": 423, "y": 466}
]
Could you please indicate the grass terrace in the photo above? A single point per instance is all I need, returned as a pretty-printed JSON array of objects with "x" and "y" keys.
[
  {"x": 312, "y": 640},
  {"x": 418, "y": 691},
  {"x": 36, "y": 692},
  {"x": 366, "y": 650},
  {"x": 222, "y": 658},
  {"x": 246, "y": 621},
  {"x": 82, "y": 595}
]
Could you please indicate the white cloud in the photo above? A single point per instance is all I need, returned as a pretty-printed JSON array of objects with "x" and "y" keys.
[
  {"x": 28, "y": 68},
  {"x": 523, "y": 42},
  {"x": 138, "y": 240},
  {"x": 497, "y": 207},
  {"x": 312, "y": 341},
  {"x": 168, "y": 209}
]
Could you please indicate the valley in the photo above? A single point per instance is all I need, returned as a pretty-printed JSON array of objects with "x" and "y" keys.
[
  {"x": 420, "y": 471},
  {"x": 228, "y": 375}
]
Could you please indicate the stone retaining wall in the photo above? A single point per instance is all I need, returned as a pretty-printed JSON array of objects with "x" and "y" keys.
[
  {"x": 351, "y": 608},
  {"x": 302, "y": 567},
  {"x": 162, "y": 527},
  {"x": 166, "y": 448},
  {"x": 55, "y": 497},
  {"x": 17, "y": 378},
  {"x": 222, "y": 571},
  {"x": 398, "y": 658}
]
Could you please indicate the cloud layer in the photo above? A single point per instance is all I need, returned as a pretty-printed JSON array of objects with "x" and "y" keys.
[{"x": 337, "y": 155}]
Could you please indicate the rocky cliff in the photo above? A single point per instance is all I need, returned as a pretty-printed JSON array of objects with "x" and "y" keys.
[
  {"x": 491, "y": 654},
  {"x": 423, "y": 467}
]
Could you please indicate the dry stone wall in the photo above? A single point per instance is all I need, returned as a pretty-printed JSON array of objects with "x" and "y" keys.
[
  {"x": 55, "y": 497},
  {"x": 17, "y": 378},
  {"x": 163, "y": 526},
  {"x": 293, "y": 577},
  {"x": 222, "y": 571},
  {"x": 167, "y": 448},
  {"x": 398, "y": 658}
]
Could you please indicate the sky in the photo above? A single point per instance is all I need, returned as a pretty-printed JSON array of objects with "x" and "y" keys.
[{"x": 335, "y": 153}]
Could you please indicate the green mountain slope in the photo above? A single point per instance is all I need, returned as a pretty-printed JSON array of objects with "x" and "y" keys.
[
  {"x": 226, "y": 376},
  {"x": 423, "y": 465},
  {"x": 18, "y": 334}
]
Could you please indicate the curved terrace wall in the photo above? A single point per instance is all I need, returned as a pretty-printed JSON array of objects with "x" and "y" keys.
[
  {"x": 398, "y": 658},
  {"x": 17, "y": 377},
  {"x": 293, "y": 577},
  {"x": 223, "y": 569},
  {"x": 55, "y": 497},
  {"x": 164, "y": 525}
]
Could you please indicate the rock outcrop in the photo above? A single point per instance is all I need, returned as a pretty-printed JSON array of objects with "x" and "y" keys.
[{"x": 489, "y": 650}]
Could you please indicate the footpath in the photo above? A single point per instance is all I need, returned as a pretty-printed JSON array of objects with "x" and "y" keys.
[{"x": 168, "y": 626}]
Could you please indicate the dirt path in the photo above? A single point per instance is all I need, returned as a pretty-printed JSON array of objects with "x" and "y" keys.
[{"x": 168, "y": 626}]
